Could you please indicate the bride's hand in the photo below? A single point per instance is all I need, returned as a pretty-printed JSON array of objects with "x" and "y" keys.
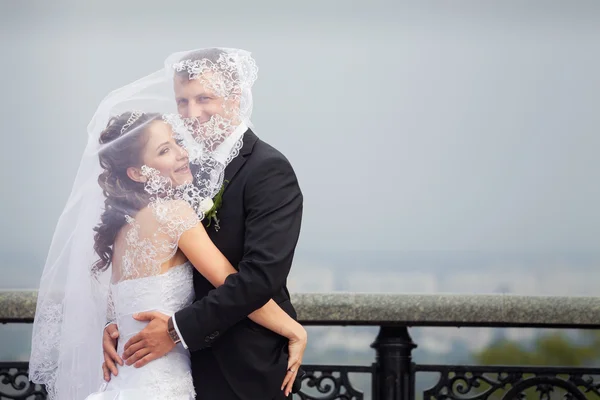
[
  {"x": 109, "y": 346},
  {"x": 296, "y": 347}
]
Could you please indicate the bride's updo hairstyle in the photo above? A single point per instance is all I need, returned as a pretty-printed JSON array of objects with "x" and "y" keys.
[{"x": 124, "y": 138}]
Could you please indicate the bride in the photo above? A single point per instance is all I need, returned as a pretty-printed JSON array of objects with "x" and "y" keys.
[{"x": 128, "y": 239}]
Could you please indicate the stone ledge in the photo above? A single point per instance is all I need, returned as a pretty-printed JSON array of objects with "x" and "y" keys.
[
  {"x": 15, "y": 305},
  {"x": 447, "y": 309},
  {"x": 341, "y": 308}
]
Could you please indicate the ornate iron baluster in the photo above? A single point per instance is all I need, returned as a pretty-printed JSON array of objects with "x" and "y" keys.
[
  {"x": 395, "y": 380},
  {"x": 485, "y": 382},
  {"x": 15, "y": 384},
  {"x": 332, "y": 382}
]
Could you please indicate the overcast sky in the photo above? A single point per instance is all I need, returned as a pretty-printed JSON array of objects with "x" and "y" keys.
[{"x": 467, "y": 125}]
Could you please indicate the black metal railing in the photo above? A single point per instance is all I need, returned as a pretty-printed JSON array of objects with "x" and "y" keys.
[
  {"x": 15, "y": 384},
  {"x": 393, "y": 372}
]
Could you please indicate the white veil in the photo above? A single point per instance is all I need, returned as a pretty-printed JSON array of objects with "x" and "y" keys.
[{"x": 145, "y": 215}]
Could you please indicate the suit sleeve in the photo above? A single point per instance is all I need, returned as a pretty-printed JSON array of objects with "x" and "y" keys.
[{"x": 273, "y": 205}]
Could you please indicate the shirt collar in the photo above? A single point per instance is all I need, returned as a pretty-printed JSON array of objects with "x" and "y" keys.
[{"x": 225, "y": 149}]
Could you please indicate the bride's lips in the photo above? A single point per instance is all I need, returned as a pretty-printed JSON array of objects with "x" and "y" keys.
[{"x": 183, "y": 169}]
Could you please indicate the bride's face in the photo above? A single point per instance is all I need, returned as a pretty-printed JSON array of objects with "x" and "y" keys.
[{"x": 164, "y": 154}]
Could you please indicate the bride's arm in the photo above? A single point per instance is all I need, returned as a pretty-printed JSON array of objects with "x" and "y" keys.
[{"x": 212, "y": 264}]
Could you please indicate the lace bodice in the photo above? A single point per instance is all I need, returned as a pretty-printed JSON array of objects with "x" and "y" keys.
[{"x": 170, "y": 376}]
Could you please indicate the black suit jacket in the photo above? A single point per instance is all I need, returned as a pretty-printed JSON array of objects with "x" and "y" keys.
[{"x": 260, "y": 222}]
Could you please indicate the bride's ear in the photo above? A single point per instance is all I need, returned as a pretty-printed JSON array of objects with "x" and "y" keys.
[{"x": 135, "y": 174}]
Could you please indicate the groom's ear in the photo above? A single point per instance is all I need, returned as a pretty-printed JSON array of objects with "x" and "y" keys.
[{"x": 135, "y": 174}]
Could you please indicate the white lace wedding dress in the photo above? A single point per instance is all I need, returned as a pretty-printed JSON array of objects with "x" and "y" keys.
[{"x": 169, "y": 377}]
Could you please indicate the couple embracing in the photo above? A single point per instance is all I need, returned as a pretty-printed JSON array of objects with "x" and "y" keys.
[{"x": 166, "y": 276}]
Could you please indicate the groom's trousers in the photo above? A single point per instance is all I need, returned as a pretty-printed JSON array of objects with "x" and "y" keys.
[{"x": 211, "y": 383}]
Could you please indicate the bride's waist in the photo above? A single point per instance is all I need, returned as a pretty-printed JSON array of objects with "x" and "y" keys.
[
  {"x": 176, "y": 364},
  {"x": 129, "y": 327},
  {"x": 170, "y": 374}
]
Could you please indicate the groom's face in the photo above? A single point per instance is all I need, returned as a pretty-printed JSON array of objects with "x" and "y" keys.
[{"x": 195, "y": 99}]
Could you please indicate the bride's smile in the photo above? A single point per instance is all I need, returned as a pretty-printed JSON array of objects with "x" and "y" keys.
[{"x": 163, "y": 154}]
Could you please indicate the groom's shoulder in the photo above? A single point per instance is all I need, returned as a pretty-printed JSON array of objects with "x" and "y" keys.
[
  {"x": 267, "y": 161},
  {"x": 263, "y": 152}
]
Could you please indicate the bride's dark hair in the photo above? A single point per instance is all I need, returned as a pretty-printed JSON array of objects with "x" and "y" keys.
[{"x": 124, "y": 196}]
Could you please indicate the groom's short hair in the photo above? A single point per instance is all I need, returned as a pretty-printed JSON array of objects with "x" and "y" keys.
[{"x": 210, "y": 54}]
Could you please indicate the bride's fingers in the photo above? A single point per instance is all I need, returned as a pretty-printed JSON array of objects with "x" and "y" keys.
[
  {"x": 290, "y": 384},
  {"x": 111, "y": 354},
  {"x": 110, "y": 365},
  {"x": 109, "y": 347},
  {"x": 290, "y": 375},
  {"x": 112, "y": 331},
  {"x": 292, "y": 371},
  {"x": 105, "y": 372},
  {"x": 286, "y": 379}
]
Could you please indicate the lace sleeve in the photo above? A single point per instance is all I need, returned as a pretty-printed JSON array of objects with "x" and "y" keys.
[{"x": 111, "y": 317}]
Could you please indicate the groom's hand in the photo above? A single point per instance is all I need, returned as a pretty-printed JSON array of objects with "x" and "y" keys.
[{"x": 151, "y": 343}]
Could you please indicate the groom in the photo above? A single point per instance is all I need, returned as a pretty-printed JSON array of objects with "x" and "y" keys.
[{"x": 232, "y": 357}]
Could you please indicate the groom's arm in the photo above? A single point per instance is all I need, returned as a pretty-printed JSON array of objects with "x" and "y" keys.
[{"x": 273, "y": 203}]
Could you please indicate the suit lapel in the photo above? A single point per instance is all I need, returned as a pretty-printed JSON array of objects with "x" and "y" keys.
[{"x": 234, "y": 166}]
